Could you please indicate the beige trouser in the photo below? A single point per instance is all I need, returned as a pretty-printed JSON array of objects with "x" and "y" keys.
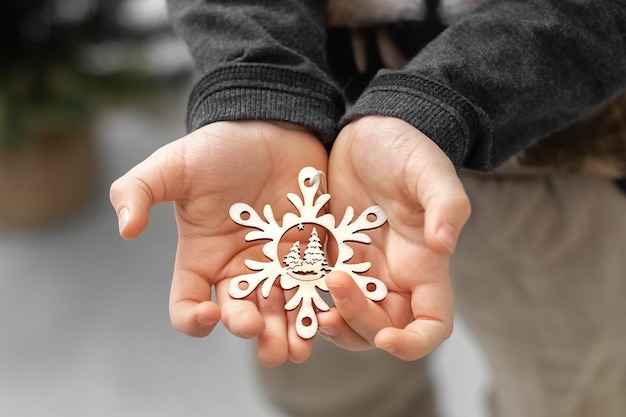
[{"x": 540, "y": 278}]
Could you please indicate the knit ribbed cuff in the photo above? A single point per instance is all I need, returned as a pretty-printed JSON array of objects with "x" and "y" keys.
[
  {"x": 440, "y": 113},
  {"x": 263, "y": 92}
]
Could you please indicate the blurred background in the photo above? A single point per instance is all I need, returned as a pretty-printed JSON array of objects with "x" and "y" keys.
[{"x": 87, "y": 90}]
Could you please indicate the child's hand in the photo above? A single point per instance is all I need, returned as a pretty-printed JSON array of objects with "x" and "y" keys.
[
  {"x": 386, "y": 161},
  {"x": 204, "y": 173}
]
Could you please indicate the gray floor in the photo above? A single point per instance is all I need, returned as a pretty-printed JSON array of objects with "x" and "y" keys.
[{"x": 84, "y": 329}]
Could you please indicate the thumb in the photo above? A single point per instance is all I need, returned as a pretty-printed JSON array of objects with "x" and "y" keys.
[
  {"x": 446, "y": 205},
  {"x": 157, "y": 179}
]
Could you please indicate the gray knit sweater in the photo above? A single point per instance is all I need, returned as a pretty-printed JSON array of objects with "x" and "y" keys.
[{"x": 494, "y": 82}]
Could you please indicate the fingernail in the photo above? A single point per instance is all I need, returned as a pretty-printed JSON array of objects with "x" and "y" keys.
[
  {"x": 447, "y": 235},
  {"x": 338, "y": 293},
  {"x": 206, "y": 321},
  {"x": 123, "y": 218},
  {"x": 389, "y": 348},
  {"x": 327, "y": 331}
]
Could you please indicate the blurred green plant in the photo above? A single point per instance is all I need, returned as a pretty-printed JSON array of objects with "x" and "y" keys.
[{"x": 61, "y": 61}]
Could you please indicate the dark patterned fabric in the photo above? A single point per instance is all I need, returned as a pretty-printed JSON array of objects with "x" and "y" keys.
[{"x": 594, "y": 145}]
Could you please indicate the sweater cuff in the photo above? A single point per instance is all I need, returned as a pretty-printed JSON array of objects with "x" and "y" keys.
[
  {"x": 264, "y": 92},
  {"x": 447, "y": 118}
]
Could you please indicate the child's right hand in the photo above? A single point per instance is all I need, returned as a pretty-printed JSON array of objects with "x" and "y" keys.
[{"x": 204, "y": 173}]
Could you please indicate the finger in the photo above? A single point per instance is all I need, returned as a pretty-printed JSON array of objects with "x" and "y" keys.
[
  {"x": 299, "y": 349},
  {"x": 191, "y": 311},
  {"x": 158, "y": 178},
  {"x": 272, "y": 342},
  {"x": 446, "y": 205},
  {"x": 365, "y": 317},
  {"x": 241, "y": 317},
  {"x": 196, "y": 319},
  {"x": 416, "y": 340},
  {"x": 433, "y": 306},
  {"x": 333, "y": 328}
]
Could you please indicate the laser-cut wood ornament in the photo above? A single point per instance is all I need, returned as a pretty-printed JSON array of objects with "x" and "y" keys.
[{"x": 306, "y": 273}]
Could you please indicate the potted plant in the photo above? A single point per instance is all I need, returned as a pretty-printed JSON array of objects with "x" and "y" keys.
[{"x": 61, "y": 62}]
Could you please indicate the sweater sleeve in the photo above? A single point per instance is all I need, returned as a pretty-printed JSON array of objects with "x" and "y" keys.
[
  {"x": 261, "y": 60},
  {"x": 505, "y": 76}
]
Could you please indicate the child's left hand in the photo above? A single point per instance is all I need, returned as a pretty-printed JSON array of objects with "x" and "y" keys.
[{"x": 387, "y": 162}]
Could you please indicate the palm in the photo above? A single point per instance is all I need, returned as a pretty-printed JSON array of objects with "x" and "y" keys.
[
  {"x": 217, "y": 175},
  {"x": 205, "y": 173}
]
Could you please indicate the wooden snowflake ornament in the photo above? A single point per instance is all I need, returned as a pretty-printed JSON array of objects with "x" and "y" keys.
[{"x": 306, "y": 273}]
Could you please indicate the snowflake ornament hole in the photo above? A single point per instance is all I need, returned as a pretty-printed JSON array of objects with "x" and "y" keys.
[{"x": 297, "y": 250}]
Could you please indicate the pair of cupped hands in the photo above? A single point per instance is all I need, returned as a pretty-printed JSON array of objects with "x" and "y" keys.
[{"x": 375, "y": 160}]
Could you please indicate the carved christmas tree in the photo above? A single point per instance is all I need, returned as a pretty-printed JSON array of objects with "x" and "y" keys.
[
  {"x": 314, "y": 257},
  {"x": 292, "y": 259}
]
